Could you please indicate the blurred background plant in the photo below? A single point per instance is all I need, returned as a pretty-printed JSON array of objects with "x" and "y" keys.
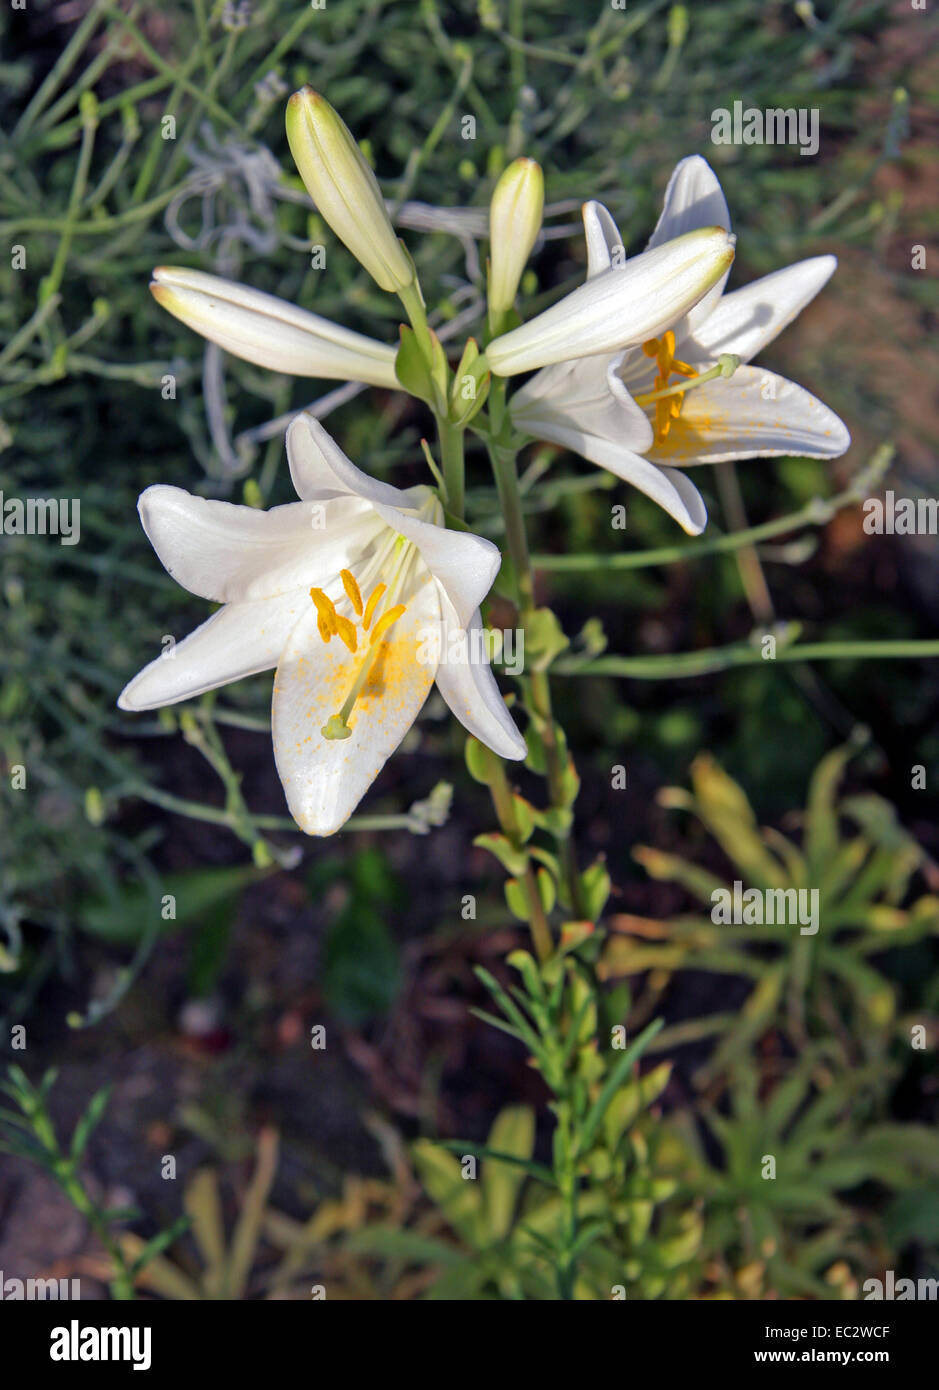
[
  {"x": 135, "y": 136},
  {"x": 819, "y": 978}
]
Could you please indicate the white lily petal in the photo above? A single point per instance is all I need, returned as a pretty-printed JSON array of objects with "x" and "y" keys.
[
  {"x": 465, "y": 565},
  {"x": 636, "y": 371},
  {"x": 586, "y": 394},
  {"x": 693, "y": 199},
  {"x": 618, "y": 308},
  {"x": 270, "y": 332},
  {"x": 239, "y": 640},
  {"x": 319, "y": 469},
  {"x": 749, "y": 318},
  {"x": 324, "y": 779},
  {"x": 754, "y": 414},
  {"x": 603, "y": 239},
  {"x": 230, "y": 553},
  {"x": 675, "y": 493},
  {"x": 469, "y": 687}
]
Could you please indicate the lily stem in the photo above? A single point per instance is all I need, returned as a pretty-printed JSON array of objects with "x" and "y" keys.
[
  {"x": 502, "y": 801},
  {"x": 506, "y": 476},
  {"x": 414, "y": 307},
  {"x": 539, "y": 686},
  {"x": 452, "y": 459}
]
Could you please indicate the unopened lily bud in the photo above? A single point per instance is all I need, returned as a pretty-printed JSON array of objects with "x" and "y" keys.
[
  {"x": 514, "y": 223},
  {"x": 344, "y": 189},
  {"x": 269, "y": 332},
  {"x": 619, "y": 308}
]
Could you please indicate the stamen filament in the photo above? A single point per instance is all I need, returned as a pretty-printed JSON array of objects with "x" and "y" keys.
[{"x": 337, "y": 726}]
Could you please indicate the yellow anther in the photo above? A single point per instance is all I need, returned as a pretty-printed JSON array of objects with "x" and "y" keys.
[
  {"x": 385, "y": 622},
  {"x": 352, "y": 590},
  {"x": 326, "y": 611},
  {"x": 347, "y": 632},
  {"x": 331, "y": 623},
  {"x": 374, "y": 599},
  {"x": 651, "y": 347}
]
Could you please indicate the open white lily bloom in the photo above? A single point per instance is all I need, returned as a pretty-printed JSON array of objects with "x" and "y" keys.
[
  {"x": 359, "y": 597},
  {"x": 748, "y": 412},
  {"x": 584, "y": 407},
  {"x": 271, "y": 332},
  {"x": 627, "y": 303},
  {"x": 622, "y": 412}
]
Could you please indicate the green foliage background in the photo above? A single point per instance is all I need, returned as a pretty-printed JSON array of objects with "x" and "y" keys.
[{"x": 607, "y": 100}]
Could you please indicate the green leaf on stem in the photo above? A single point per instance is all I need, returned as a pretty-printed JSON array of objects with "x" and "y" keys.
[
  {"x": 418, "y": 376},
  {"x": 544, "y": 639},
  {"x": 513, "y": 860},
  {"x": 477, "y": 761},
  {"x": 614, "y": 1081},
  {"x": 595, "y": 885},
  {"x": 547, "y": 889},
  {"x": 470, "y": 386},
  {"x": 89, "y": 1121},
  {"x": 517, "y": 900}
]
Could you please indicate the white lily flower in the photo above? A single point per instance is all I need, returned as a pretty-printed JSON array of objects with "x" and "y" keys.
[
  {"x": 269, "y": 331},
  {"x": 600, "y": 407},
  {"x": 354, "y": 560},
  {"x": 338, "y": 179},
  {"x": 627, "y": 303}
]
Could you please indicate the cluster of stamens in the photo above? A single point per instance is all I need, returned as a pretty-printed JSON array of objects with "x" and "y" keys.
[
  {"x": 333, "y": 624},
  {"x": 667, "y": 408}
]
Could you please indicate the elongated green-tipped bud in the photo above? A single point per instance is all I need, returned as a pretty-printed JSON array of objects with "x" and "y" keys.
[
  {"x": 344, "y": 189},
  {"x": 514, "y": 223}
]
